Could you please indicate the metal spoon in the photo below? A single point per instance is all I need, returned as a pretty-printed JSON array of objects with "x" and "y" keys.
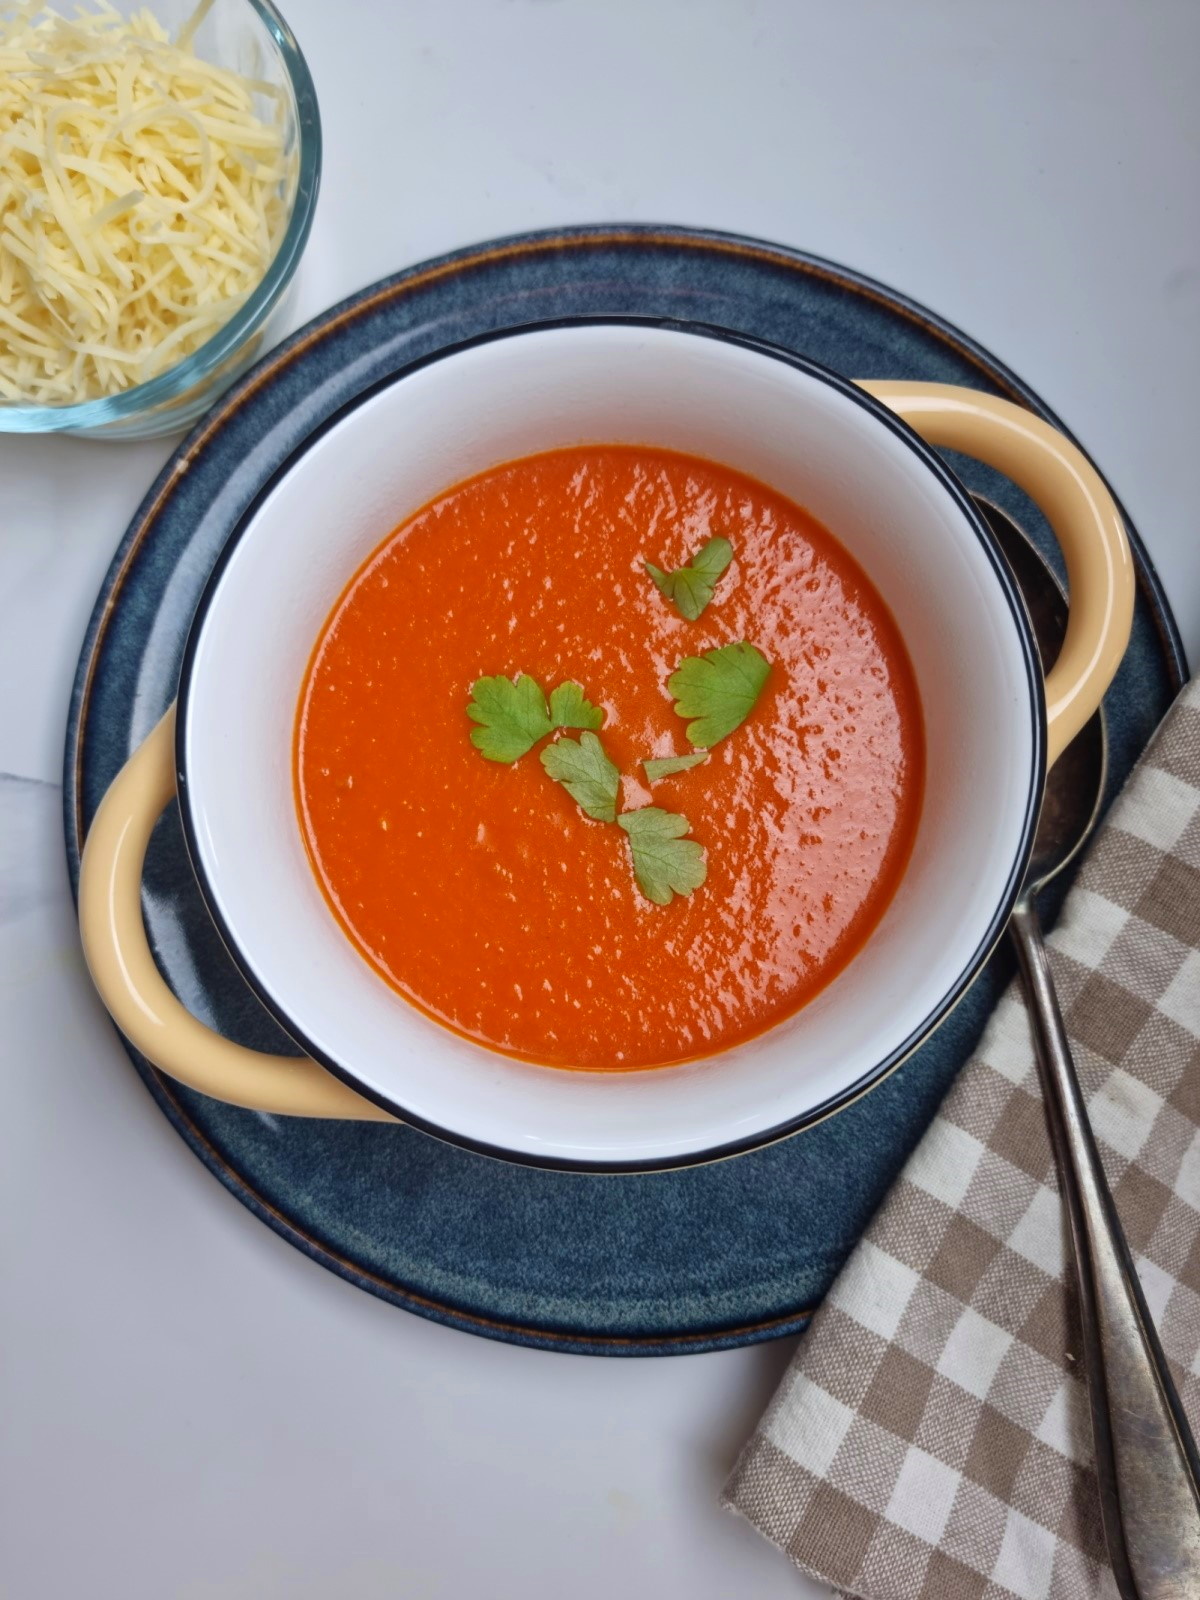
[{"x": 1146, "y": 1461}]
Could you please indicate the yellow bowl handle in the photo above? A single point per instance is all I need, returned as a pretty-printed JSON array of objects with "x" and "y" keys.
[
  {"x": 1078, "y": 507},
  {"x": 123, "y": 969}
]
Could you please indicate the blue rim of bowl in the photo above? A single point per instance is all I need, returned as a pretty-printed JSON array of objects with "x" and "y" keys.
[
  {"x": 967, "y": 972},
  {"x": 148, "y": 397}
]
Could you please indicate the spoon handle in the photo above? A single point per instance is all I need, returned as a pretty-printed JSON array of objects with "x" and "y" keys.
[{"x": 1146, "y": 1460}]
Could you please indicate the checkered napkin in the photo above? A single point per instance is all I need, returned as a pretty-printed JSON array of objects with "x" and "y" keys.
[{"x": 931, "y": 1440}]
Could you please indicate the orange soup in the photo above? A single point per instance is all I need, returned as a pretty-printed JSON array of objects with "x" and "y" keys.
[{"x": 483, "y": 889}]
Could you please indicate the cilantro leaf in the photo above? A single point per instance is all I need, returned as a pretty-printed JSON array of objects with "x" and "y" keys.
[
  {"x": 570, "y": 708},
  {"x": 512, "y": 714},
  {"x": 718, "y": 689},
  {"x": 585, "y": 772},
  {"x": 690, "y": 588},
  {"x": 664, "y": 862},
  {"x": 663, "y": 766}
]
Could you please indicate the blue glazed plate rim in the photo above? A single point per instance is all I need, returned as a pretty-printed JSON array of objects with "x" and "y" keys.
[
  {"x": 708, "y": 245},
  {"x": 972, "y": 964}
]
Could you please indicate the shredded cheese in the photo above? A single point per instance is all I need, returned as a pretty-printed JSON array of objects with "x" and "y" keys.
[{"x": 143, "y": 193}]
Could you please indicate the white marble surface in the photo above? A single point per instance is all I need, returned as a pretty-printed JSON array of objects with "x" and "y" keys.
[{"x": 191, "y": 1409}]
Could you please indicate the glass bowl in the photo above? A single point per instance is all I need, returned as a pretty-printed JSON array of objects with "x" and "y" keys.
[{"x": 249, "y": 37}]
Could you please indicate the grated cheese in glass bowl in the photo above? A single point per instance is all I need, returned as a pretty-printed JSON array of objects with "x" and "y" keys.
[{"x": 159, "y": 166}]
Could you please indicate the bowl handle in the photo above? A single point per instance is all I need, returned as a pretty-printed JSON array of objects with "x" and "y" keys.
[
  {"x": 1084, "y": 517},
  {"x": 123, "y": 969}
]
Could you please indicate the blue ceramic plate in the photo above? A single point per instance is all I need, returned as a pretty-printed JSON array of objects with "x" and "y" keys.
[{"x": 725, "y": 1254}]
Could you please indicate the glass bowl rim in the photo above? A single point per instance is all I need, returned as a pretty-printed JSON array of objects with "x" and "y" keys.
[{"x": 225, "y": 342}]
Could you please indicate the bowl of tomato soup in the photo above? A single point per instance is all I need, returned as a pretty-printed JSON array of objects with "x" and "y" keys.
[{"x": 611, "y": 744}]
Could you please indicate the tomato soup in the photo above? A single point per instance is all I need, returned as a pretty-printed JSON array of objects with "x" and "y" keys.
[{"x": 479, "y": 888}]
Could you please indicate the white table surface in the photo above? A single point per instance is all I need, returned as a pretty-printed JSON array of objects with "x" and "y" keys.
[{"x": 192, "y": 1409}]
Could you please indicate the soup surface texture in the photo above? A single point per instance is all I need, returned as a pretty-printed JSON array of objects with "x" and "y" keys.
[{"x": 479, "y": 888}]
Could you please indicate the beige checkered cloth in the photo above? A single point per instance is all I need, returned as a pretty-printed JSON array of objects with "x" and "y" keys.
[{"x": 931, "y": 1440}]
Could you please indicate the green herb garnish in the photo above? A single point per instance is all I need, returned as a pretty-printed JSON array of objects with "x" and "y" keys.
[
  {"x": 664, "y": 862},
  {"x": 664, "y": 766},
  {"x": 585, "y": 772},
  {"x": 690, "y": 588},
  {"x": 514, "y": 715},
  {"x": 570, "y": 708},
  {"x": 718, "y": 690}
]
